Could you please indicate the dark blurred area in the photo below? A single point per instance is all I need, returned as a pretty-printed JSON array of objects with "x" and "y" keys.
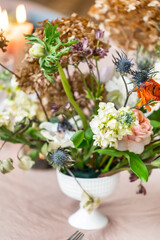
[{"x": 66, "y": 7}]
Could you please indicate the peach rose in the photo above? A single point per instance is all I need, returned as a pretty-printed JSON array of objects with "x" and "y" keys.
[{"x": 141, "y": 135}]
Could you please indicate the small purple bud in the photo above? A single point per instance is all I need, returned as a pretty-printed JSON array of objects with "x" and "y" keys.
[
  {"x": 133, "y": 177},
  {"x": 99, "y": 34},
  {"x": 54, "y": 108},
  {"x": 100, "y": 52},
  {"x": 141, "y": 189}
]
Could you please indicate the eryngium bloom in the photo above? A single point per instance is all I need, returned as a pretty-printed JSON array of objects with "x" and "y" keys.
[
  {"x": 141, "y": 76},
  {"x": 59, "y": 158},
  {"x": 122, "y": 63}
]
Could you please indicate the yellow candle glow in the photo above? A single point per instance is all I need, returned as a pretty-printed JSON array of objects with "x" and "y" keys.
[
  {"x": 4, "y": 23},
  {"x": 21, "y": 15},
  {"x": 15, "y": 31}
]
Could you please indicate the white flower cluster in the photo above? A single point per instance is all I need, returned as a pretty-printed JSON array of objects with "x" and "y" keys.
[
  {"x": 111, "y": 125},
  {"x": 21, "y": 105}
]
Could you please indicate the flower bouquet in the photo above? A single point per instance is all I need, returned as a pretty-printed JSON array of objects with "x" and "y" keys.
[{"x": 59, "y": 106}]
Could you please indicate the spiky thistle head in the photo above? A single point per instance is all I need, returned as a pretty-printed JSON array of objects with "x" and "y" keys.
[
  {"x": 59, "y": 158},
  {"x": 122, "y": 63},
  {"x": 141, "y": 76}
]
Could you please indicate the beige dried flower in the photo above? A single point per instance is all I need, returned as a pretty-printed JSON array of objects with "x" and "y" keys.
[
  {"x": 31, "y": 77},
  {"x": 129, "y": 22},
  {"x": 74, "y": 27},
  {"x": 3, "y": 42}
]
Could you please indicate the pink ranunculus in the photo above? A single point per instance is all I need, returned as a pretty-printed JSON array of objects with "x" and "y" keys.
[{"x": 141, "y": 135}]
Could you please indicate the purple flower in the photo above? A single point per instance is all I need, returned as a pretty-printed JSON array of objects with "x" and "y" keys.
[
  {"x": 133, "y": 177},
  {"x": 82, "y": 48},
  {"x": 100, "y": 52},
  {"x": 99, "y": 34},
  {"x": 54, "y": 108}
]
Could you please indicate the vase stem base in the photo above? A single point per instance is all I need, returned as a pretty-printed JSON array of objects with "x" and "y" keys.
[{"x": 88, "y": 221}]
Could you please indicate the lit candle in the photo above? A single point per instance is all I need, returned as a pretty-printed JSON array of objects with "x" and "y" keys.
[
  {"x": 16, "y": 31},
  {"x": 6, "y": 58}
]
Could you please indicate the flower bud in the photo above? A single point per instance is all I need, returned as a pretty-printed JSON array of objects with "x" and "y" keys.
[
  {"x": 88, "y": 202},
  {"x": 37, "y": 50},
  {"x": 6, "y": 165},
  {"x": 25, "y": 162}
]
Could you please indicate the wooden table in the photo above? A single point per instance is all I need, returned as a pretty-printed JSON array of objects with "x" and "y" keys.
[{"x": 32, "y": 207}]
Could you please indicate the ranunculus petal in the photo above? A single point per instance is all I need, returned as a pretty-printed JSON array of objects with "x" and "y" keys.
[
  {"x": 49, "y": 126},
  {"x": 135, "y": 147},
  {"x": 48, "y": 135},
  {"x": 122, "y": 145}
]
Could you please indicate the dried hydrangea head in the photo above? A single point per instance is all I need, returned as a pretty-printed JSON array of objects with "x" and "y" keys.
[
  {"x": 3, "y": 42},
  {"x": 75, "y": 27},
  {"x": 129, "y": 22},
  {"x": 32, "y": 78}
]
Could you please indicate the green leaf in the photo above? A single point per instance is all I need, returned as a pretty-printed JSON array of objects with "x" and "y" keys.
[
  {"x": 89, "y": 134},
  {"x": 155, "y": 124},
  {"x": 54, "y": 120},
  {"x": 34, "y": 154},
  {"x": 44, "y": 149},
  {"x": 138, "y": 166},
  {"x": 156, "y": 163},
  {"x": 111, "y": 152},
  {"x": 155, "y": 115},
  {"x": 77, "y": 138},
  {"x": 83, "y": 144}
]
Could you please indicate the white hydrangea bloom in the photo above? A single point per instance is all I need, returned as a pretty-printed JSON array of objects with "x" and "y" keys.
[
  {"x": 4, "y": 119},
  {"x": 19, "y": 106},
  {"x": 111, "y": 125}
]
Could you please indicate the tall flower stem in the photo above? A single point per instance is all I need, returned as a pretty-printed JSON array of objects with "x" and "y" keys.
[
  {"x": 68, "y": 92},
  {"x": 9, "y": 70},
  {"x": 70, "y": 173},
  {"x": 127, "y": 92},
  {"x": 42, "y": 106}
]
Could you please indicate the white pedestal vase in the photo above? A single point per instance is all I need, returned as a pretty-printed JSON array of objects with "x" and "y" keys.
[{"x": 97, "y": 187}]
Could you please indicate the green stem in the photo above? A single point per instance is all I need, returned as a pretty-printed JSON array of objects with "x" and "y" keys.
[
  {"x": 108, "y": 165},
  {"x": 110, "y": 173},
  {"x": 127, "y": 92},
  {"x": 82, "y": 75},
  {"x": 103, "y": 160},
  {"x": 83, "y": 190},
  {"x": 68, "y": 92},
  {"x": 98, "y": 73}
]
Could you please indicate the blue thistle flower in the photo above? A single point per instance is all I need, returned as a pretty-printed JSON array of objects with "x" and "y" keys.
[
  {"x": 59, "y": 158},
  {"x": 123, "y": 64},
  {"x": 141, "y": 76}
]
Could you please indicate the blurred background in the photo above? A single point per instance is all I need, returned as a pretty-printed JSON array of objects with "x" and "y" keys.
[{"x": 67, "y": 6}]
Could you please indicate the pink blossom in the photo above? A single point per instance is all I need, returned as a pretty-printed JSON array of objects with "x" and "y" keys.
[{"x": 141, "y": 136}]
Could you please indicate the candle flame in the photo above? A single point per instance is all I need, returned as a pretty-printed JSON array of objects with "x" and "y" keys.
[
  {"x": 21, "y": 15},
  {"x": 4, "y": 23}
]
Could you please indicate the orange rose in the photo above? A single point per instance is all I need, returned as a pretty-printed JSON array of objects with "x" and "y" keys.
[{"x": 149, "y": 91}]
